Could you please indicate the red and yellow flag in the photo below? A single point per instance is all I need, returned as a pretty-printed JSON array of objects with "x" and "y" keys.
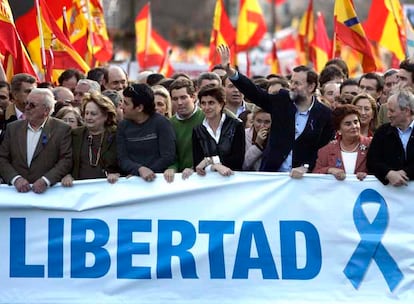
[
  {"x": 348, "y": 31},
  {"x": 274, "y": 60},
  {"x": 251, "y": 25},
  {"x": 385, "y": 25},
  {"x": 54, "y": 52},
  {"x": 86, "y": 28},
  {"x": 306, "y": 33},
  {"x": 13, "y": 55},
  {"x": 321, "y": 44},
  {"x": 152, "y": 49},
  {"x": 222, "y": 33}
]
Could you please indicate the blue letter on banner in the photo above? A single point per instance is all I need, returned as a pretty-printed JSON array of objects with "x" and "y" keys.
[
  {"x": 166, "y": 250},
  {"x": 244, "y": 261},
  {"x": 18, "y": 267},
  {"x": 288, "y": 250},
  {"x": 79, "y": 248},
  {"x": 126, "y": 249},
  {"x": 216, "y": 231}
]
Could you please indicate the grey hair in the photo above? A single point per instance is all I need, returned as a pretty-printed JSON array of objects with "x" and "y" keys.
[
  {"x": 47, "y": 97},
  {"x": 405, "y": 99},
  {"x": 93, "y": 85}
]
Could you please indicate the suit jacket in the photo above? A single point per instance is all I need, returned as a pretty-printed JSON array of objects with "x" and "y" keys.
[
  {"x": 108, "y": 160},
  {"x": 387, "y": 153},
  {"x": 330, "y": 156},
  {"x": 317, "y": 133},
  {"x": 52, "y": 157}
]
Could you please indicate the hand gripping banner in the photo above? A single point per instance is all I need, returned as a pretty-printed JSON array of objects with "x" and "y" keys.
[{"x": 370, "y": 247}]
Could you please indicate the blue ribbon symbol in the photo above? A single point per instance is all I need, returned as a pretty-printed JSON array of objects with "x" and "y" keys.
[{"x": 370, "y": 247}]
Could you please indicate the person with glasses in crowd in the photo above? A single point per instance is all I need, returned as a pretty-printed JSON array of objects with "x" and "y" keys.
[
  {"x": 36, "y": 152},
  {"x": 94, "y": 144},
  {"x": 145, "y": 138}
]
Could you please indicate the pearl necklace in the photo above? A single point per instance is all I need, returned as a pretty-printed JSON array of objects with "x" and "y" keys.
[{"x": 349, "y": 151}]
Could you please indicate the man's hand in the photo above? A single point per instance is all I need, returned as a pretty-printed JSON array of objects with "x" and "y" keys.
[
  {"x": 67, "y": 181},
  {"x": 39, "y": 186},
  {"x": 169, "y": 175},
  {"x": 22, "y": 185},
  {"x": 224, "y": 52},
  {"x": 147, "y": 174},
  {"x": 397, "y": 178}
]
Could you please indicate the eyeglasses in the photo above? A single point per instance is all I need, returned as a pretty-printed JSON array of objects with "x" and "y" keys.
[{"x": 30, "y": 104}]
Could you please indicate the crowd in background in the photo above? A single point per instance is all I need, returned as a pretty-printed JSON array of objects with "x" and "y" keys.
[{"x": 100, "y": 125}]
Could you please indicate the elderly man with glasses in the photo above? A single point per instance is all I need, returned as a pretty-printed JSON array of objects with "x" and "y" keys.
[{"x": 36, "y": 152}]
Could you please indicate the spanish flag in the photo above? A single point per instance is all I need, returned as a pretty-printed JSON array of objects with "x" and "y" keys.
[
  {"x": 52, "y": 53},
  {"x": 151, "y": 48},
  {"x": 385, "y": 25},
  {"x": 306, "y": 33},
  {"x": 222, "y": 33},
  {"x": 12, "y": 52},
  {"x": 321, "y": 44},
  {"x": 251, "y": 25},
  {"x": 348, "y": 31}
]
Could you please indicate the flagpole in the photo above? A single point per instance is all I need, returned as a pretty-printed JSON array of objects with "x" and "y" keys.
[
  {"x": 90, "y": 31},
  {"x": 41, "y": 37}
]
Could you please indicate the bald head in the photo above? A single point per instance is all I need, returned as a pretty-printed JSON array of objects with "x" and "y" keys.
[{"x": 116, "y": 79}]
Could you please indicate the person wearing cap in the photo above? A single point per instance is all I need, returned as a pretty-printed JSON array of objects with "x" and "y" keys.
[{"x": 146, "y": 139}]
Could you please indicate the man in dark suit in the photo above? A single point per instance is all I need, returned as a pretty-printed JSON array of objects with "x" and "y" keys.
[
  {"x": 36, "y": 153},
  {"x": 300, "y": 123},
  {"x": 391, "y": 153}
]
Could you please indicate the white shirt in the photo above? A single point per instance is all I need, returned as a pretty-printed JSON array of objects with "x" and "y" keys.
[
  {"x": 349, "y": 159},
  {"x": 19, "y": 114},
  {"x": 32, "y": 138},
  {"x": 216, "y": 135}
]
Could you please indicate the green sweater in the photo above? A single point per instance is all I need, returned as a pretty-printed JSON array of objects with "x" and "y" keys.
[{"x": 184, "y": 134}]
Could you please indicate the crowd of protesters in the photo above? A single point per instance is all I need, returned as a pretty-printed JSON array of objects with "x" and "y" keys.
[{"x": 101, "y": 125}]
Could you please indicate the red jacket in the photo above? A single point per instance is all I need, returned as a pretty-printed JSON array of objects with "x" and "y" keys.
[{"x": 330, "y": 156}]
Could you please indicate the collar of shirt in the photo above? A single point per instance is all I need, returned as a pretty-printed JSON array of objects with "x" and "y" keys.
[
  {"x": 182, "y": 118},
  {"x": 308, "y": 110},
  {"x": 29, "y": 126},
  {"x": 18, "y": 113},
  {"x": 216, "y": 135},
  {"x": 409, "y": 129}
]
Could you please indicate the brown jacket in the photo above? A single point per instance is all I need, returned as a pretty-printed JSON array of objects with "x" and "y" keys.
[{"x": 52, "y": 157}]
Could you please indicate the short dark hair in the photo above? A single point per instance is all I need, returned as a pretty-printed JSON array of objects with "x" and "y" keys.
[
  {"x": 98, "y": 74},
  {"x": 340, "y": 63},
  {"x": 18, "y": 79},
  {"x": 330, "y": 73},
  {"x": 141, "y": 94},
  {"x": 348, "y": 82},
  {"x": 154, "y": 78},
  {"x": 4, "y": 84},
  {"x": 215, "y": 91},
  {"x": 341, "y": 111},
  {"x": 183, "y": 83},
  {"x": 375, "y": 76},
  {"x": 311, "y": 75},
  {"x": 408, "y": 65},
  {"x": 68, "y": 74}
]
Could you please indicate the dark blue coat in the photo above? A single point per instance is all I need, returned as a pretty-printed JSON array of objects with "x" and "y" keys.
[{"x": 317, "y": 133}]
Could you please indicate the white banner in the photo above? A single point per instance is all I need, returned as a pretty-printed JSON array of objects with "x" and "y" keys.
[{"x": 249, "y": 238}]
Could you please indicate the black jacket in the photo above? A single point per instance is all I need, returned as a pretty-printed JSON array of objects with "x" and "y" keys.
[
  {"x": 231, "y": 146},
  {"x": 386, "y": 153},
  {"x": 317, "y": 133}
]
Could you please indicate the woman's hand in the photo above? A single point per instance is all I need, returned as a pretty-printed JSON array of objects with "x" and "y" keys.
[
  {"x": 338, "y": 173},
  {"x": 201, "y": 167},
  {"x": 187, "y": 172},
  {"x": 223, "y": 170},
  {"x": 112, "y": 178},
  {"x": 361, "y": 175},
  {"x": 67, "y": 181},
  {"x": 261, "y": 137}
]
